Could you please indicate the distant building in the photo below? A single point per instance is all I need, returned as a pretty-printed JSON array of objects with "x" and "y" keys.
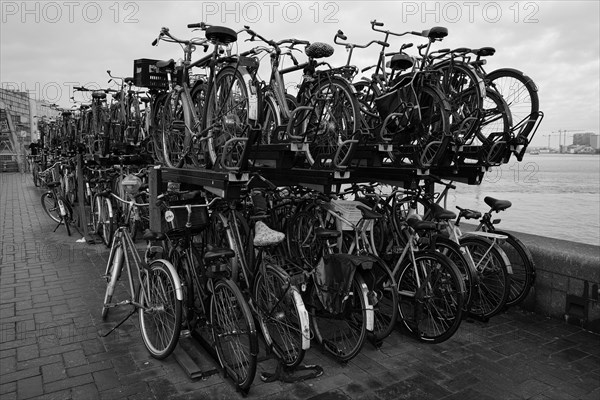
[
  {"x": 594, "y": 142},
  {"x": 582, "y": 139}
]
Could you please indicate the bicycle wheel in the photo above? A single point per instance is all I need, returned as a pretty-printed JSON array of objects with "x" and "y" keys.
[
  {"x": 105, "y": 219},
  {"x": 301, "y": 237},
  {"x": 175, "y": 125},
  {"x": 133, "y": 127},
  {"x": 271, "y": 120},
  {"x": 495, "y": 128},
  {"x": 66, "y": 212},
  {"x": 342, "y": 335},
  {"x": 458, "y": 256},
  {"x": 71, "y": 188},
  {"x": 234, "y": 333},
  {"x": 520, "y": 93},
  {"x": 160, "y": 310},
  {"x": 198, "y": 95},
  {"x": 155, "y": 127},
  {"x": 432, "y": 310},
  {"x": 465, "y": 91},
  {"x": 50, "y": 205},
  {"x": 383, "y": 296},
  {"x": 35, "y": 172},
  {"x": 523, "y": 268},
  {"x": 332, "y": 124},
  {"x": 281, "y": 314},
  {"x": 493, "y": 288},
  {"x": 113, "y": 272},
  {"x": 227, "y": 117}
]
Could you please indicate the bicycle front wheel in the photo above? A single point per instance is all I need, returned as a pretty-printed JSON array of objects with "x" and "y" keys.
[
  {"x": 383, "y": 296},
  {"x": 234, "y": 333},
  {"x": 113, "y": 272},
  {"x": 431, "y": 305},
  {"x": 342, "y": 335},
  {"x": 520, "y": 93},
  {"x": 105, "y": 219},
  {"x": 227, "y": 117},
  {"x": 160, "y": 310},
  {"x": 491, "y": 292},
  {"x": 332, "y": 124},
  {"x": 50, "y": 205},
  {"x": 282, "y": 316},
  {"x": 175, "y": 126}
]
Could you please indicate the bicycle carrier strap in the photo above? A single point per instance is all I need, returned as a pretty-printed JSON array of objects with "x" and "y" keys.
[{"x": 333, "y": 277}]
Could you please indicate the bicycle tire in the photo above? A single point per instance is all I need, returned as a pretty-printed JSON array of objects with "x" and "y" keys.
[
  {"x": 234, "y": 333},
  {"x": 458, "y": 255},
  {"x": 50, "y": 206},
  {"x": 200, "y": 152},
  {"x": 494, "y": 131},
  {"x": 133, "y": 119},
  {"x": 113, "y": 272},
  {"x": 282, "y": 316},
  {"x": 154, "y": 129},
  {"x": 161, "y": 324},
  {"x": 343, "y": 335},
  {"x": 227, "y": 116},
  {"x": 271, "y": 120},
  {"x": 105, "y": 220},
  {"x": 433, "y": 312},
  {"x": 67, "y": 218},
  {"x": 35, "y": 172},
  {"x": 491, "y": 294},
  {"x": 175, "y": 128},
  {"x": 523, "y": 268},
  {"x": 331, "y": 128},
  {"x": 465, "y": 92},
  {"x": 520, "y": 93}
]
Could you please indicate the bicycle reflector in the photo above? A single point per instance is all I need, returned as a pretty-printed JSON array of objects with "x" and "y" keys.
[{"x": 131, "y": 184}]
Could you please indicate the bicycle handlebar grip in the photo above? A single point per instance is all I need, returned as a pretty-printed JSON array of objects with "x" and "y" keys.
[
  {"x": 196, "y": 25},
  {"x": 382, "y": 43},
  {"x": 154, "y": 42},
  {"x": 375, "y": 23},
  {"x": 341, "y": 35}
]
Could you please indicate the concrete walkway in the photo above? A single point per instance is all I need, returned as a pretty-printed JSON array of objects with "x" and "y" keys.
[{"x": 51, "y": 295}]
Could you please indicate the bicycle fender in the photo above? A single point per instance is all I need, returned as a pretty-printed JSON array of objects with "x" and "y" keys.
[
  {"x": 175, "y": 275},
  {"x": 252, "y": 93},
  {"x": 516, "y": 71}
]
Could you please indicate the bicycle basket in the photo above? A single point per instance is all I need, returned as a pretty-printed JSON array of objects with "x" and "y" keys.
[
  {"x": 346, "y": 209},
  {"x": 199, "y": 218}
]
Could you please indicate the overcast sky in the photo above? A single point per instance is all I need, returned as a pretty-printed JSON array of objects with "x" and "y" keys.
[{"x": 48, "y": 47}]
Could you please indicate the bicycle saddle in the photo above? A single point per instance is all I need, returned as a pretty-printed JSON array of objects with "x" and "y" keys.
[
  {"x": 217, "y": 253},
  {"x": 221, "y": 34},
  {"x": 165, "y": 64},
  {"x": 318, "y": 50},
  {"x": 437, "y": 32},
  {"x": 98, "y": 95},
  {"x": 151, "y": 235},
  {"x": 419, "y": 225},
  {"x": 327, "y": 233},
  {"x": 265, "y": 236},
  {"x": 367, "y": 213},
  {"x": 441, "y": 213},
  {"x": 401, "y": 62},
  {"x": 497, "y": 205},
  {"x": 485, "y": 51},
  {"x": 53, "y": 184}
]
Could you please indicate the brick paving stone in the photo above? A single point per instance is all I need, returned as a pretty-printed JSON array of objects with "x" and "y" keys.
[
  {"x": 29, "y": 387},
  {"x": 53, "y": 372}
]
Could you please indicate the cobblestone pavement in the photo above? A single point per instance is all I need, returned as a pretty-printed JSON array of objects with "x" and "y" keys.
[{"x": 51, "y": 295}]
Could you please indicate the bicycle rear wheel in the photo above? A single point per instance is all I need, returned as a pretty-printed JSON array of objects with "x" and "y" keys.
[
  {"x": 342, "y": 335},
  {"x": 281, "y": 314},
  {"x": 175, "y": 126},
  {"x": 523, "y": 268},
  {"x": 491, "y": 293},
  {"x": 234, "y": 333},
  {"x": 113, "y": 272},
  {"x": 432, "y": 310},
  {"x": 160, "y": 310},
  {"x": 105, "y": 219}
]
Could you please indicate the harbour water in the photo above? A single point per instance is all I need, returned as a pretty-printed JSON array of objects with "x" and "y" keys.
[{"x": 554, "y": 195}]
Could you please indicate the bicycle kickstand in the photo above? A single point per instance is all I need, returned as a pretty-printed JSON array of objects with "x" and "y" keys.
[
  {"x": 59, "y": 224},
  {"x": 119, "y": 324}
]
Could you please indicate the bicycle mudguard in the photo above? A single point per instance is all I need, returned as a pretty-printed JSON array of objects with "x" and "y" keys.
[{"x": 174, "y": 275}]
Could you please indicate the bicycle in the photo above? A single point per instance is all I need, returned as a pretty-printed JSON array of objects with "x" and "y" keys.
[
  {"x": 57, "y": 207},
  {"x": 155, "y": 291},
  {"x": 211, "y": 299},
  {"x": 215, "y": 115},
  {"x": 479, "y": 256},
  {"x": 324, "y": 116},
  {"x": 271, "y": 293},
  {"x": 125, "y": 113}
]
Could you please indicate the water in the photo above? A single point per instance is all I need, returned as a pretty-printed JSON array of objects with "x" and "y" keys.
[{"x": 554, "y": 195}]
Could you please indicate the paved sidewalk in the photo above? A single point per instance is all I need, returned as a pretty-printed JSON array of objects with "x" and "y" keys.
[{"x": 50, "y": 300}]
